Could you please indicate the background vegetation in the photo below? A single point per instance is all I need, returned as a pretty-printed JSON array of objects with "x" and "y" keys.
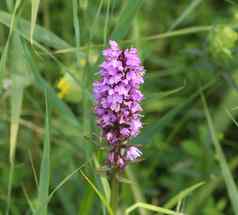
[{"x": 50, "y": 146}]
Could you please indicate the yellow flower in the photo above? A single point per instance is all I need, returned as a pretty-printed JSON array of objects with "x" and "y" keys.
[
  {"x": 69, "y": 88},
  {"x": 64, "y": 88},
  {"x": 82, "y": 62}
]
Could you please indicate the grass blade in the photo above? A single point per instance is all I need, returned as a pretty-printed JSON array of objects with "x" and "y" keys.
[
  {"x": 34, "y": 10},
  {"x": 231, "y": 117},
  {"x": 106, "y": 23},
  {"x": 229, "y": 181},
  {"x": 125, "y": 19},
  {"x": 10, "y": 5},
  {"x": 176, "y": 33},
  {"x": 87, "y": 201},
  {"x": 20, "y": 79},
  {"x": 183, "y": 194},
  {"x": 136, "y": 189},
  {"x": 104, "y": 182},
  {"x": 180, "y": 32},
  {"x": 205, "y": 192},
  {"x": 45, "y": 165},
  {"x": 150, "y": 208},
  {"x": 9, "y": 189},
  {"x": 100, "y": 196},
  {"x": 41, "y": 34},
  {"x": 15, "y": 116},
  {"x": 3, "y": 62},
  {"x": 91, "y": 33},
  {"x": 30, "y": 203},
  {"x": 76, "y": 28},
  {"x": 186, "y": 13},
  {"x": 16, "y": 107},
  {"x": 63, "y": 182}
]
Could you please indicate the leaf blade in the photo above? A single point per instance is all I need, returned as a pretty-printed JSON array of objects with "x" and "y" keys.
[
  {"x": 125, "y": 19},
  {"x": 41, "y": 34},
  {"x": 45, "y": 165},
  {"x": 186, "y": 13},
  {"x": 34, "y": 11},
  {"x": 181, "y": 195},
  {"x": 150, "y": 208},
  {"x": 228, "y": 178},
  {"x": 101, "y": 197}
]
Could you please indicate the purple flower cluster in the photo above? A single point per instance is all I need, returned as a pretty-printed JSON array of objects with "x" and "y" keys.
[{"x": 117, "y": 97}]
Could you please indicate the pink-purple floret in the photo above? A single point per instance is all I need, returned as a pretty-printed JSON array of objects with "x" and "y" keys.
[{"x": 118, "y": 100}]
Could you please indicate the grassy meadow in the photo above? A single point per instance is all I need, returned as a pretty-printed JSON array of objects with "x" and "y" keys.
[{"x": 51, "y": 153}]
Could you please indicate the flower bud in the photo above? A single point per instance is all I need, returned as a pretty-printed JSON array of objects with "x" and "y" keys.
[{"x": 222, "y": 40}]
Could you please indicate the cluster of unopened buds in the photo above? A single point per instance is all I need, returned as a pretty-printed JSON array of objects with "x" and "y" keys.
[{"x": 118, "y": 98}]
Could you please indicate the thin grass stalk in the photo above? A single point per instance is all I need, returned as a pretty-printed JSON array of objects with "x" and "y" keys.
[
  {"x": 46, "y": 17},
  {"x": 12, "y": 140},
  {"x": 114, "y": 192},
  {"x": 9, "y": 193}
]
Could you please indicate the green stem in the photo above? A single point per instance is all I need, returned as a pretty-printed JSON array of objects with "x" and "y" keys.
[
  {"x": 9, "y": 193},
  {"x": 114, "y": 193}
]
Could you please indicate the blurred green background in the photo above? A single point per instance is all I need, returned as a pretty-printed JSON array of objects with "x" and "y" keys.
[{"x": 50, "y": 54}]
